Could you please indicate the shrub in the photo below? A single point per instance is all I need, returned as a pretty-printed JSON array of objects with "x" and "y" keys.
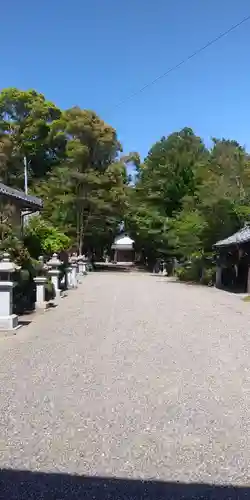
[
  {"x": 40, "y": 237},
  {"x": 18, "y": 252},
  {"x": 208, "y": 276},
  {"x": 24, "y": 292},
  {"x": 188, "y": 272},
  {"x": 199, "y": 269}
]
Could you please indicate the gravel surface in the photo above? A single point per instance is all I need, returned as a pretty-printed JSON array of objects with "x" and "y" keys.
[{"x": 133, "y": 376}]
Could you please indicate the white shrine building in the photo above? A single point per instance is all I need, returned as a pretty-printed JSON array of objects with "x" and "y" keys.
[{"x": 123, "y": 250}]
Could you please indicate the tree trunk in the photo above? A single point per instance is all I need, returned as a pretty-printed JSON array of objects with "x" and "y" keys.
[
  {"x": 83, "y": 228},
  {"x": 81, "y": 234}
]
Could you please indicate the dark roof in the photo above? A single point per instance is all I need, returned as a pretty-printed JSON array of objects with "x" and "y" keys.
[
  {"x": 27, "y": 200},
  {"x": 242, "y": 236}
]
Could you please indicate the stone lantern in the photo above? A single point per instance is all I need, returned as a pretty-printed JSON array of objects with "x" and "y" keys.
[
  {"x": 82, "y": 263},
  {"x": 54, "y": 263},
  {"x": 85, "y": 262},
  {"x": 8, "y": 320},
  {"x": 40, "y": 282},
  {"x": 74, "y": 266},
  {"x": 68, "y": 276}
]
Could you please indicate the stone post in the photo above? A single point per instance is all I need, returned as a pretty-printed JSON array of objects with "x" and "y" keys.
[
  {"x": 82, "y": 263},
  {"x": 79, "y": 268},
  {"x": 85, "y": 261},
  {"x": 73, "y": 264},
  {"x": 164, "y": 269},
  {"x": 8, "y": 320},
  {"x": 75, "y": 261},
  {"x": 40, "y": 282},
  {"x": 69, "y": 276},
  {"x": 54, "y": 264}
]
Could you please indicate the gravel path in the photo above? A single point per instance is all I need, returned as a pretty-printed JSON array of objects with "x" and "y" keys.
[{"x": 131, "y": 376}]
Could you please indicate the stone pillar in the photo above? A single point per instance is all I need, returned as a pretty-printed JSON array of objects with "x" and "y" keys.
[
  {"x": 74, "y": 274},
  {"x": 73, "y": 264},
  {"x": 54, "y": 273},
  {"x": 164, "y": 269},
  {"x": 8, "y": 320},
  {"x": 69, "y": 276},
  {"x": 81, "y": 264},
  {"x": 218, "y": 276},
  {"x": 74, "y": 259},
  {"x": 84, "y": 267},
  {"x": 40, "y": 282}
]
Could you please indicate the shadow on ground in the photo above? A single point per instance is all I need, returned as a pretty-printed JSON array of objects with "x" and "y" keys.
[
  {"x": 22, "y": 322},
  {"x": 26, "y": 485}
]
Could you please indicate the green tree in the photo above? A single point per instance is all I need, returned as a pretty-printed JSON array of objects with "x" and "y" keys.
[
  {"x": 168, "y": 171},
  {"x": 25, "y": 130},
  {"x": 40, "y": 238},
  {"x": 217, "y": 208},
  {"x": 89, "y": 184},
  {"x": 164, "y": 180},
  {"x": 186, "y": 233}
]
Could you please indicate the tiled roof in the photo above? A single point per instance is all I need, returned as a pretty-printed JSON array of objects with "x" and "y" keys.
[
  {"x": 242, "y": 236},
  {"x": 28, "y": 200},
  {"x": 123, "y": 239}
]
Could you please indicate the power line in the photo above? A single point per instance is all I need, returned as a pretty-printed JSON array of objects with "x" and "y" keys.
[{"x": 184, "y": 61}]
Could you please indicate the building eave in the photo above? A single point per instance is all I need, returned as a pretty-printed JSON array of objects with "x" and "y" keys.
[
  {"x": 122, "y": 247},
  {"x": 27, "y": 201},
  {"x": 239, "y": 238}
]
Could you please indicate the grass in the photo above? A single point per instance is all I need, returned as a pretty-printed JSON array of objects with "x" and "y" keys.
[{"x": 246, "y": 299}]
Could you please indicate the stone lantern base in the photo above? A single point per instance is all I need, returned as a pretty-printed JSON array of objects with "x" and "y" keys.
[
  {"x": 8, "y": 320},
  {"x": 8, "y": 323}
]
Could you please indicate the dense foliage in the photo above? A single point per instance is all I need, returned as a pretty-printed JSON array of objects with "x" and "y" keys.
[
  {"x": 184, "y": 198},
  {"x": 41, "y": 238},
  {"x": 187, "y": 197}
]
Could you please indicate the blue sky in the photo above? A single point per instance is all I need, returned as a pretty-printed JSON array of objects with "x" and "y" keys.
[{"x": 96, "y": 53}]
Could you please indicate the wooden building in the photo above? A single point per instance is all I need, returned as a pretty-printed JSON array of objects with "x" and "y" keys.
[
  {"x": 15, "y": 206},
  {"x": 123, "y": 250},
  {"x": 233, "y": 261}
]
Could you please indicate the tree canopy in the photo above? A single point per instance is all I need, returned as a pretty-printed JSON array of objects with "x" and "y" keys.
[{"x": 183, "y": 198}]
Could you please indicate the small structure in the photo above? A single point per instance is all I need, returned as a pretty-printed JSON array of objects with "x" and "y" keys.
[
  {"x": 8, "y": 320},
  {"x": 82, "y": 264},
  {"x": 40, "y": 282},
  {"x": 15, "y": 205},
  {"x": 123, "y": 250},
  {"x": 74, "y": 267},
  {"x": 54, "y": 263},
  {"x": 233, "y": 261}
]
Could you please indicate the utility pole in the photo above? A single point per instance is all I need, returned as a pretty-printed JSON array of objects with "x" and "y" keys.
[
  {"x": 25, "y": 175},
  {"x": 24, "y": 214}
]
